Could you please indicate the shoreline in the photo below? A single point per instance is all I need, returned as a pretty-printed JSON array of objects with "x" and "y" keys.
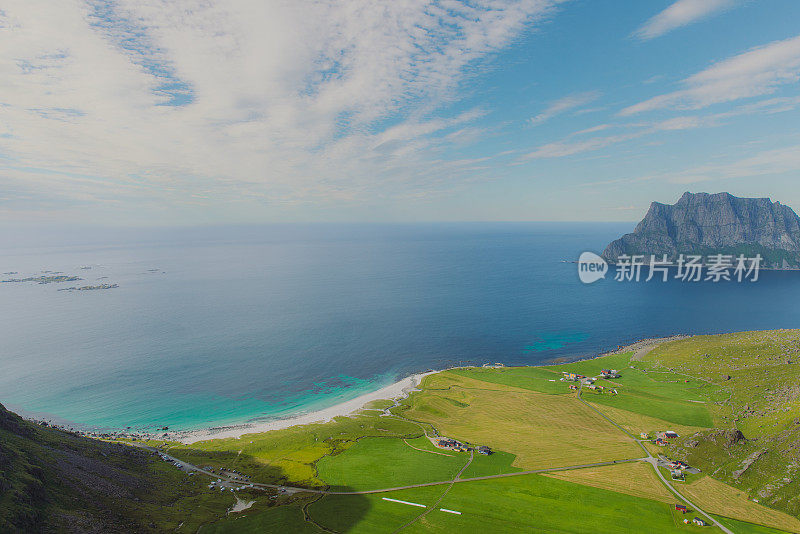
[{"x": 395, "y": 391}]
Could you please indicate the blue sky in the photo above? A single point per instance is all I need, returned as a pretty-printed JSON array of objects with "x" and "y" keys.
[{"x": 187, "y": 112}]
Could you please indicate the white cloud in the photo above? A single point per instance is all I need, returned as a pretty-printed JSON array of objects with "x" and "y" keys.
[
  {"x": 282, "y": 100},
  {"x": 569, "y": 147},
  {"x": 679, "y": 14},
  {"x": 563, "y": 105},
  {"x": 770, "y": 162},
  {"x": 757, "y": 72},
  {"x": 561, "y": 149}
]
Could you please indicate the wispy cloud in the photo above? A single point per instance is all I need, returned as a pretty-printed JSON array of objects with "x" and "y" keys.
[
  {"x": 569, "y": 146},
  {"x": 679, "y": 14},
  {"x": 769, "y": 162},
  {"x": 260, "y": 99},
  {"x": 565, "y": 104},
  {"x": 757, "y": 72}
]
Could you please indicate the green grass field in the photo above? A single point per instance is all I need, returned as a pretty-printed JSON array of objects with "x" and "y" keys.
[
  {"x": 371, "y": 513},
  {"x": 539, "y": 379},
  {"x": 542, "y": 430},
  {"x": 538, "y": 503},
  {"x": 287, "y": 518},
  {"x": 698, "y": 386},
  {"x": 375, "y": 463},
  {"x": 497, "y": 463},
  {"x": 529, "y": 503},
  {"x": 672, "y": 411}
]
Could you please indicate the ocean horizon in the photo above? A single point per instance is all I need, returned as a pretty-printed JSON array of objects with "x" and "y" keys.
[{"x": 227, "y": 325}]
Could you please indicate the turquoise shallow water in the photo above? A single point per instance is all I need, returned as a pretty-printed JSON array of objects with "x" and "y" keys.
[{"x": 224, "y": 325}]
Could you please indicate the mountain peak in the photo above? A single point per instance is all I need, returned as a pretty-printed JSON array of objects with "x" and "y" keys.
[{"x": 715, "y": 223}]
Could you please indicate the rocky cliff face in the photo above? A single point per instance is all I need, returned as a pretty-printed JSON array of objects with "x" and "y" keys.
[{"x": 702, "y": 223}]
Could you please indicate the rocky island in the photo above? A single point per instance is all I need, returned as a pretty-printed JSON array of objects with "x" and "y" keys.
[
  {"x": 90, "y": 288},
  {"x": 44, "y": 279},
  {"x": 706, "y": 224}
]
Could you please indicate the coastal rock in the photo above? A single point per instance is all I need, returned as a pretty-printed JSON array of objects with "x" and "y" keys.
[{"x": 705, "y": 224}]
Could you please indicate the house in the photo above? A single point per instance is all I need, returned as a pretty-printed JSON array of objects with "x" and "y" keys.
[
  {"x": 609, "y": 373},
  {"x": 699, "y": 522},
  {"x": 661, "y": 443},
  {"x": 677, "y": 474},
  {"x": 483, "y": 449},
  {"x": 644, "y": 435},
  {"x": 681, "y": 508},
  {"x": 670, "y": 434},
  {"x": 447, "y": 443}
]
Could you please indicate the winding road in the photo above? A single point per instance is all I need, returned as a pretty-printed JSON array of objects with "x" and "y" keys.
[{"x": 652, "y": 460}]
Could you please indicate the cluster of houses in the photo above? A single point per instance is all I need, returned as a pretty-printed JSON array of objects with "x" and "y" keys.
[
  {"x": 454, "y": 445},
  {"x": 663, "y": 437},
  {"x": 451, "y": 444},
  {"x": 589, "y": 382},
  {"x": 573, "y": 377},
  {"x": 677, "y": 468},
  {"x": 697, "y": 521}
]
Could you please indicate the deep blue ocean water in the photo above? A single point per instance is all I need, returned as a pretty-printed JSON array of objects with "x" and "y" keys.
[{"x": 223, "y": 325}]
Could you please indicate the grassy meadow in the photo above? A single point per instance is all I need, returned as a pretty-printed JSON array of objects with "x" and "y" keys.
[{"x": 701, "y": 387}]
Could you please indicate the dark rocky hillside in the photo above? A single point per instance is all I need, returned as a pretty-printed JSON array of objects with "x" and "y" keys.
[
  {"x": 55, "y": 481},
  {"x": 704, "y": 224}
]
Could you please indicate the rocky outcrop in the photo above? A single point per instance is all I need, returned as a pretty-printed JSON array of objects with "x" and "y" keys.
[
  {"x": 750, "y": 460},
  {"x": 705, "y": 224}
]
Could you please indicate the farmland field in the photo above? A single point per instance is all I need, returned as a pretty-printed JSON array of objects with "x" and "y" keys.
[
  {"x": 699, "y": 387},
  {"x": 542, "y": 430},
  {"x": 374, "y": 463}
]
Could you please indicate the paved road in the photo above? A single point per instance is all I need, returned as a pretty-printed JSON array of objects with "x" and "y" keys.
[
  {"x": 456, "y": 480},
  {"x": 654, "y": 462}
]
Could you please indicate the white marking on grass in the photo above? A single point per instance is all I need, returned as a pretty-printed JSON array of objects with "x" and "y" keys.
[
  {"x": 450, "y": 511},
  {"x": 404, "y": 502}
]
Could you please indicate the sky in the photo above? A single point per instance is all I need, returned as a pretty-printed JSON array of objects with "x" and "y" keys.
[{"x": 196, "y": 112}]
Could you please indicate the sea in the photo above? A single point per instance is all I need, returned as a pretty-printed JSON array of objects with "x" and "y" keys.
[{"x": 216, "y": 326}]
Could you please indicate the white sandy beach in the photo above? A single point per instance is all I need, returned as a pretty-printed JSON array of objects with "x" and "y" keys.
[{"x": 398, "y": 390}]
